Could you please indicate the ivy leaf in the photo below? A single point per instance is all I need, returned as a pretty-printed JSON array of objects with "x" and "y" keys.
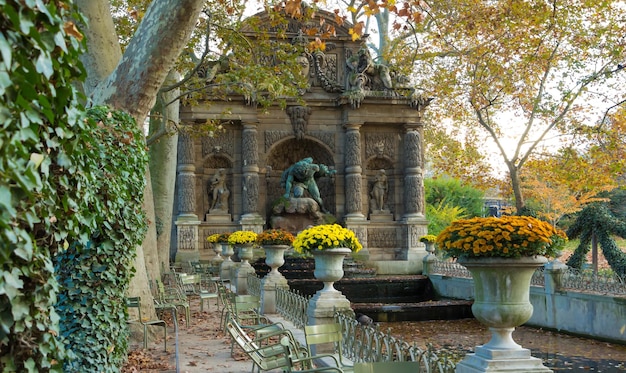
[
  {"x": 44, "y": 65},
  {"x": 12, "y": 283},
  {"x": 5, "y": 51}
]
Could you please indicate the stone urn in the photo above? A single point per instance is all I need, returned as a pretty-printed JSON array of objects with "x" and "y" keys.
[
  {"x": 501, "y": 301},
  {"x": 217, "y": 247},
  {"x": 329, "y": 267},
  {"x": 246, "y": 253},
  {"x": 275, "y": 258},
  {"x": 241, "y": 271},
  {"x": 227, "y": 263}
]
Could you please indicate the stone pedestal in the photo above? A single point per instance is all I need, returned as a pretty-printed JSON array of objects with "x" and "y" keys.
[
  {"x": 187, "y": 241},
  {"x": 494, "y": 360},
  {"x": 218, "y": 216},
  {"x": 381, "y": 215},
  {"x": 269, "y": 284},
  {"x": 244, "y": 268}
]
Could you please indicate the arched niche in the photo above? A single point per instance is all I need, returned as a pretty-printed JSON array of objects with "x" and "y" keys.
[
  {"x": 372, "y": 166},
  {"x": 285, "y": 153},
  {"x": 210, "y": 165}
]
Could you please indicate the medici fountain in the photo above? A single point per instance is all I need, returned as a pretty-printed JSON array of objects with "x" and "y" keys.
[{"x": 357, "y": 127}]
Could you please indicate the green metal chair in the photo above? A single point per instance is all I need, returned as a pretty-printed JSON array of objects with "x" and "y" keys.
[
  {"x": 208, "y": 291},
  {"x": 135, "y": 302},
  {"x": 172, "y": 296},
  {"x": 326, "y": 334}
]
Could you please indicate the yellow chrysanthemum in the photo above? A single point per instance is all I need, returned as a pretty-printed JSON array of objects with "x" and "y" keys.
[{"x": 507, "y": 236}]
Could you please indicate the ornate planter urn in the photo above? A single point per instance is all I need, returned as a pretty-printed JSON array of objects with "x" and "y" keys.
[
  {"x": 501, "y": 301},
  {"x": 246, "y": 253},
  {"x": 217, "y": 259},
  {"x": 329, "y": 267},
  {"x": 227, "y": 251},
  {"x": 275, "y": 258},
  {"x": 241, "y": 271}
]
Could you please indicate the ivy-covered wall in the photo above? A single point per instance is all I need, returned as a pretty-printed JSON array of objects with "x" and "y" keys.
[{"x": 71, "y": 189}]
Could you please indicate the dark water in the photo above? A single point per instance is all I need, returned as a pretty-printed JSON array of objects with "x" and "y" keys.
[{"x": 558, "y": 351}]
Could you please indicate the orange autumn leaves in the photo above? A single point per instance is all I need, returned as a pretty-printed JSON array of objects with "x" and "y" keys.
[{"x": 507, "y": 236}]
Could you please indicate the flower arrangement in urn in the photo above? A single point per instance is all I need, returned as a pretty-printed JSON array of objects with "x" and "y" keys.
[
  {"x": 275, "y": 237},
  {"x": 223, "y": 237},
  {"x": 326, "y": 236},
  {"x": 429, "y": 238},
  {"x": 242, "y": 237},
  {"x": 214, "y": 238},
  {"x": 504, "y": 237}
]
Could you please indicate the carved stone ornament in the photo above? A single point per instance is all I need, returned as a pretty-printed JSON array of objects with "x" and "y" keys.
[{"x": 299, "y": 116}]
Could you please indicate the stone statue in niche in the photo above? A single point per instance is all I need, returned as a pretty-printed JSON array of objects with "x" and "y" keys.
[
  {"x": 302, "y": 176},
  {"x": 218, "y": 192},
  {"x": 379, "y": 192}
]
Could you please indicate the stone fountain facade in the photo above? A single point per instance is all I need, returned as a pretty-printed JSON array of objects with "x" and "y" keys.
[{"x": 357, "y": 119}]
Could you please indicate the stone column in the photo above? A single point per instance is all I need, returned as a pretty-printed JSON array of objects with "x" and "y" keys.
[
  {"x": 354, "y": 217},
  {"x": 187, "y": 221},
  {"x": 250, "y": 219},
  {"x": 413, "y": 201},
  {"x": 353, "y": 184},
  {"x": 413, "y": 173}
]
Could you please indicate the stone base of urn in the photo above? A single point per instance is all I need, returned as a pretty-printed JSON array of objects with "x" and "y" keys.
[{"x": 493, "y": 360}]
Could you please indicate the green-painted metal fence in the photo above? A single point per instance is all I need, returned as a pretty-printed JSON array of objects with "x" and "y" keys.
[
  {"x": 364, "y": 343},
  {"x": 292, "y": 306}
]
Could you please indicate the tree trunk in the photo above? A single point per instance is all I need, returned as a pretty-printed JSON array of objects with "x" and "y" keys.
[
  {"x": 516, "y": 183},
  {"x": 104, "y": 50},
  {"x": 163, "y": 169},
  {"x": 150, "y": 55},
  {"x": 131, "y": 83}
]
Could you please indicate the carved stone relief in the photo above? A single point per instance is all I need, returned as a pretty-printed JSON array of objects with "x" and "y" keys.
[
  {"x": 380, "y": 145},
  {"x": 222, "y": 143},
  {"x": 384, "y": 238},
  {"x": 326, "y": 72},
  {"x": 187, "y": 238},
  {"x": 273, "y": 136},
  {"x": 299, "y": 116}
]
